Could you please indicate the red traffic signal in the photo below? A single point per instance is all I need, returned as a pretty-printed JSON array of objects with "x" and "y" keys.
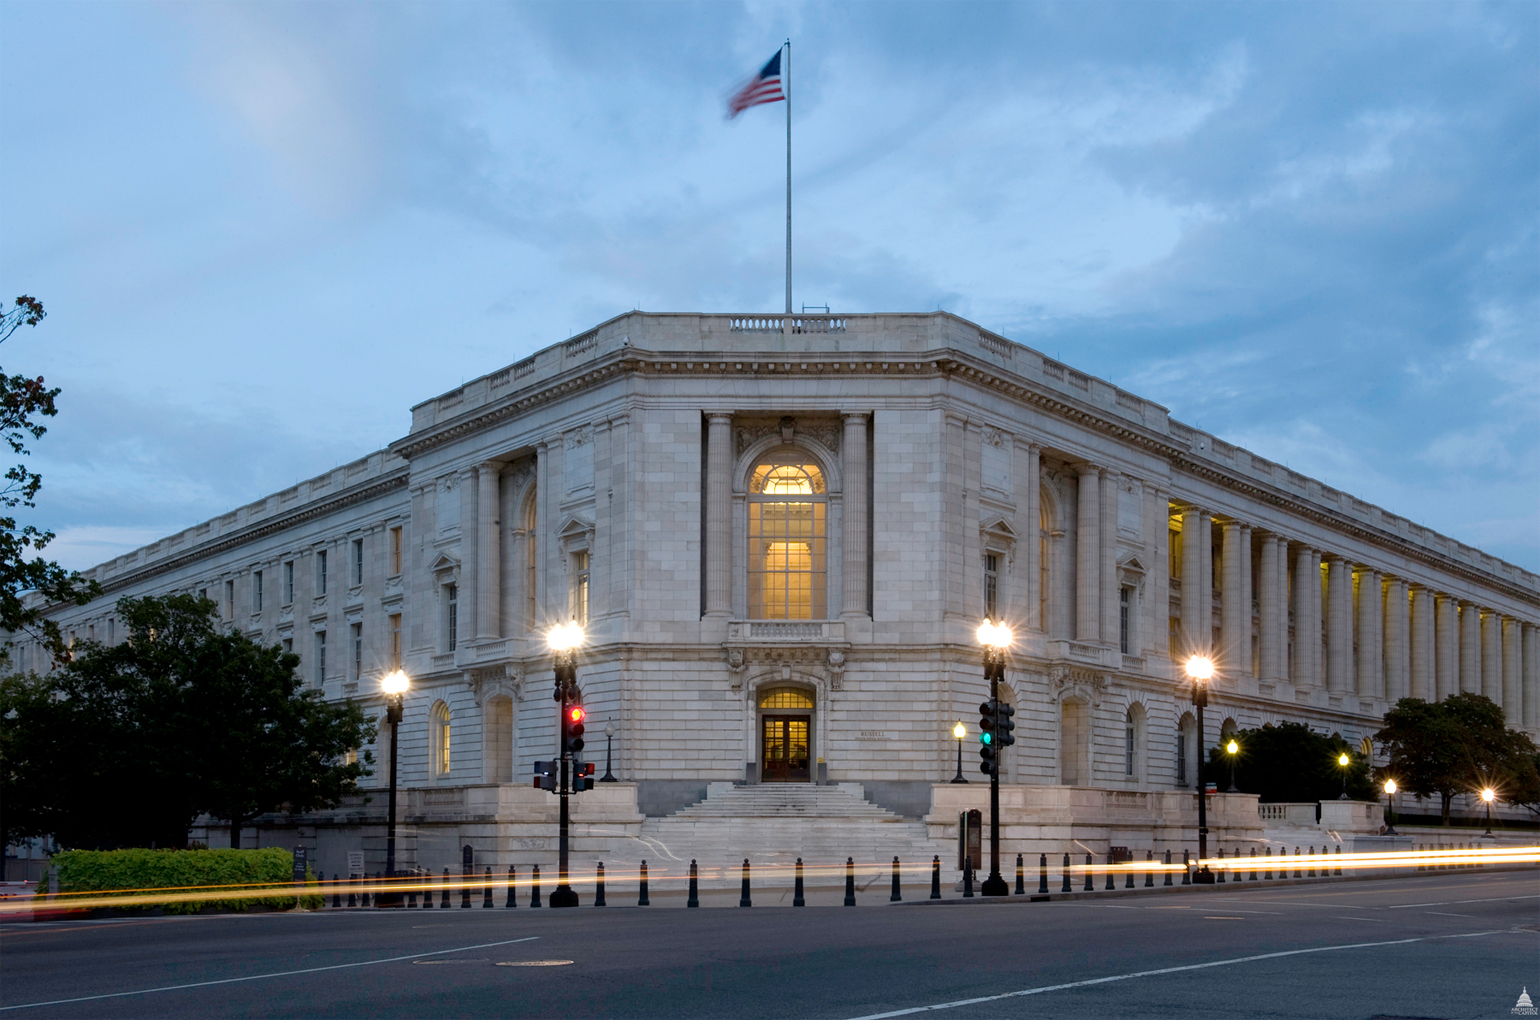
[{"x": 575, "y": 714}]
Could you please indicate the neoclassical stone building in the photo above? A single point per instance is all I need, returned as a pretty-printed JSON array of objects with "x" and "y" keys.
[{"x": 781, "y": 534}]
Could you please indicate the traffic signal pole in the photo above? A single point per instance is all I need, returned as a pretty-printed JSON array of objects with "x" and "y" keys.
[
  {"x": 994, "y": 666},
  {"x": 567, "y": 696},
  {"x": 564, "y": 896}
]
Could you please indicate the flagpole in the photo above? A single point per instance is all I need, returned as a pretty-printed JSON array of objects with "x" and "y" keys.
[{"x": 788, "y": 176}]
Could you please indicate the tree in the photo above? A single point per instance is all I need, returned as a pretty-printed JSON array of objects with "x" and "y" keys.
[
  {"x": 1458, "y": 745},
  {"x": 23, "y": 401},
  {"x": 1290, "y": 763},
  {"x": 127, "y": 744}
]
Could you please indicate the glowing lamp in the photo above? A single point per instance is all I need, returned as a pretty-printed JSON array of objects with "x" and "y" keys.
[
  {"x": 1488, "y": 795},
  {"x": 395, "y": 684},
  {"x": 959, "y": 731},
  {"x": 994, "y": 635},
  {"x": 1200, "y": 667},
  {"x": 1343, "y": 759},
  {"x": 564, "y": 637},
  {"x": 1232, "y": 747},
  {"x": 1390, "y": 786}
]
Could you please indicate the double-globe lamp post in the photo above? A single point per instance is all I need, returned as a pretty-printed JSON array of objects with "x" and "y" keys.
[
  {"x": 564, "y": 640},
  {"x": 1201, "y": 669},
  {"x": 995, "y": 638},
  {"x": 394, "y": 685}
]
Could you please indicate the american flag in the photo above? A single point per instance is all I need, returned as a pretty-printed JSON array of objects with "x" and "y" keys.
[{"x": 764, "y": 87}]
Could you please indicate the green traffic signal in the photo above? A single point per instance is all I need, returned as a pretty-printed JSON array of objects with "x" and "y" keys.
[{"x": 986, "y": 738}]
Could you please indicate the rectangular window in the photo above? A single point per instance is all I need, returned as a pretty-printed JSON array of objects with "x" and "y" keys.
[
  {"x": 451, "y": 615},
  {"x": 992, "y": 586},
  {"x": 395, "y": 641},
  {"x": 288, "y": 645},
  {"x": 356, "y": 635},
  {"x": 320, "y": 572},
  {"x": 320, "y": 657},
  {"x": 203, "y": 593},
  {"x": 1128, "y": 750},
  {"x": 1181, "y": 759},
  {"x": 358, "y": 562},
  {"x": 112, "y": 631},
  {"x": 580, "y": 588},
  {"x": 256, "y": 591},
  {"x": 91, "y": 632},
  {"x": 395, "y": 552},
  {"x": 288, "y": 583},
  {"x": 1124, "y": 597},
  {"x": 229, "y": 600}
]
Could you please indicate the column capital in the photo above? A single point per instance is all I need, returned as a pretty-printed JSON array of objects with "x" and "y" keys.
[
  {"x": 852, "y": 417},
  {"x": 719, "y": 417},
  {"x": 490, "y": 467},
  {"x": 1086, "y": 468}
]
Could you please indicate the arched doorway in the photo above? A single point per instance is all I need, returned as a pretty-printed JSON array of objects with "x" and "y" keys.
[{"x": 785, "y": 735}]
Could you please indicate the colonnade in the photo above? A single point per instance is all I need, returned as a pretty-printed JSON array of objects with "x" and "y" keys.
[{"x": 1320, "y": 620}]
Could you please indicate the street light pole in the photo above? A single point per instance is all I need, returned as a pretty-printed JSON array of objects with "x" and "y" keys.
[
  {"x": 959, "y": 731},
  {"x": 394, "y": 685},
  {"x": 1201, "y": 669},
  {"x": 996, "y": 638},
  {"x": 1489, "y": 795},
  {"x": 609, "y": 737},
  {"x": 1390, "y": 808},
  {"x": 564, "y": 640},
  {"x": 1344, "y": 761},
  {"x": 1230, "y": 749}
]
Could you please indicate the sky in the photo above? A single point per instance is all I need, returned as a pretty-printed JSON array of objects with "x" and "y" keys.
[{"x": 263, "y": 231}]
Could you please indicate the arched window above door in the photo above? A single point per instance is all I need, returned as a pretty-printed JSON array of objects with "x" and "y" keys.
[{"x": 786, "y": 697}]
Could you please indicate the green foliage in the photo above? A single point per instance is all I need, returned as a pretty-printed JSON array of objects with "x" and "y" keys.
[
  {"x": 183, "y": 870},
  {"x": 1290, "y": 763},
  {"x": 1458, "y": 745},
  {"x": 127, "y": 744}
]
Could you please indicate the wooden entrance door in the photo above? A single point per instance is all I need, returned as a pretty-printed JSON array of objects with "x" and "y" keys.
[{"x": 784, "y": 749}]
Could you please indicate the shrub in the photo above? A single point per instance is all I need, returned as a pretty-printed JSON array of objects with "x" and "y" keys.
[{"x": 200, "y": 878}]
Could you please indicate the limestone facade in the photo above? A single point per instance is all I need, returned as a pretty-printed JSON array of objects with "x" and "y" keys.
[{"x": 618, "y": 477}]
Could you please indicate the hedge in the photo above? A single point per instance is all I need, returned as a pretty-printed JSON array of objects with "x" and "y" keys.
[{"x": 106, "y": 871}]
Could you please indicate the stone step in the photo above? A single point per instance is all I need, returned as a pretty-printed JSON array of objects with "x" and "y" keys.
[{"x": 784, "y": 800}]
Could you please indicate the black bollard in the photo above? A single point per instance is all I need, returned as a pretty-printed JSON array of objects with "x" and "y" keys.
[
  {"x": 935, "y": 877},
  {"x": 1066, "y": 875},
  {"x": 694, "y": 900},
  {"x": 744, "y": 900},
  {"x": 1149, "y": 872},
  {"x": 1221, "y": 877},
  {"x": 796, "y": 894},
  {"x": 443, "y": 904},
  {"x": 1021, "y": 877},
  {"x": 411, "y": 897},
  {"x": 1253, "y": 864},
  {"x": 465, "y": 887},
  {"x": 486, "y": 891},
  {"x": 1268, "y": 853},
  {"x": 967, "y": 875},
  {"x": 336, "y": 893},
  {"x": 534, "y": 887},
  {"x": 641, "y": 896},
  {"x": 1312, "y": 863},
  {"x": 1168, "y": 868},
  {"x": 1089, "y": 864},
  {"x": 1186, "y": 870},
  {"x": 363, "y": 895},
  {"x": 352, "y": 890},
  {"x": 1042, "y": 874},
  {"x": 513, "y": 900},
  {"x": 1297, "y": 872},
  {"x": 897, "y": 896},
  {"x": 599, "y": 887},
  {"x": 850, "y": 881},
  {"x": 427, "y": 889},
  {"x": 1129, "y": 882},
  {"x": 1112, "y": 882},
  {"x": 1338, "y": 872}
]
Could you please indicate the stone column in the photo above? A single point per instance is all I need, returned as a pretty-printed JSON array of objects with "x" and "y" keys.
[
  {"x": 1422, "y": 644},
  {"x": 1307, "y": 617},
  {"x": 1157, "y": 523},
  {"x": 1230, "y": 602},
  {"x": 1206, "y": 581},
  {"x": 468, "y": 619},
  {"x": 1247, "y": 663},
  {"x": 1267, "y": 592},
  {"x": 1531, "y": 673},
  {"x": 1492, "y": 656},
  {"x": 1281, "y": 558},
  {"x": 1339, "y": 624},
  {"x": 1031, "y": 536},
  {"x": 1369, "y": 616},
  {"x": 1111, "y": 492},
  {"x": 1194, "y": 638},
  {"x": 854, "y": 526},
  {"x": 488, "y": 551},
  {"x": 718, "y": 511},
  {"x": 1446, "y": 676},
  {"x": 1470, "y": 648},
  {"x": 1513, "y": 698},
  {"x": 1088, "y": 555},
  {"x": 1397, "y": 641}
]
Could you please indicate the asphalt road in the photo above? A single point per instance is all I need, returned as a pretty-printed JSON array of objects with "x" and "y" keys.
[{"x": 1448, "y": 945}]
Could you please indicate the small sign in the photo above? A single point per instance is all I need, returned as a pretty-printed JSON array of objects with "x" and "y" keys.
[
  {"x": 355, "y": 862},
  {"x": 301, "y": 858},
  {"x": 467, "y": 855}
]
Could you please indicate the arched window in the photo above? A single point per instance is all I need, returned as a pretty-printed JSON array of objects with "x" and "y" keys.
[
  {"x": 786, "y": 697},
  {"x": 1186, "y": 749},
  {"x": 1133, "y": 743},
  {"x": 787, "y": 558},
  {"x": 438, "y": 738}
]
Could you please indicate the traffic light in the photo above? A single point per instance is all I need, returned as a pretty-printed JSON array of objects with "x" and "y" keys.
[
  {"x": 989, "y": 751},
  {"x": 545, "y": 775},
  {"x": 582, "y": 776},
  {"x": 1004, "y": 725},
  {"x": 572, "y": 716}
]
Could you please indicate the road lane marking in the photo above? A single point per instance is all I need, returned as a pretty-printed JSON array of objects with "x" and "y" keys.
[
  {"x": 1168, "y": 970},
  {"x": 1451, "y": 903},
  {"x": 1442, "y": 913},
  {"x": 535, "y": 963},
  {"x": 1376, "y": 920},
  {"x": 1221, "y": 917},
  {"x": 260, "y": 977}
]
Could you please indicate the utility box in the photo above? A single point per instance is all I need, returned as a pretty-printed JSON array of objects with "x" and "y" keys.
[{"x": 970, "y": 838}]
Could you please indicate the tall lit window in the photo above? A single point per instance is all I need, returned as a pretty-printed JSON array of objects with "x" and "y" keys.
[
  {"x": 256, "y": 591},
  {"x": 787, "y": 560},
  {"x": 395, "y": 641},
  {"x": 580, "y": 587},
  {"x": 288, "y": 583},
  {"x": 395, "y": 551},
  {"x": 992, "y": 586},
  {"x": 440, "y": 736},
  {"x": 357, "y": 562},
  {"x": 451, "y": 616},
  {"x": 1124, "y": 600},
  {"x": 1181, "y": 758},
  {"x": 320, "y": 572},
  {"x": 356, "y": 639}
]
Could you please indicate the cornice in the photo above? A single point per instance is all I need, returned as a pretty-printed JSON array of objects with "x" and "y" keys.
[{"x": 343, "y": 500}]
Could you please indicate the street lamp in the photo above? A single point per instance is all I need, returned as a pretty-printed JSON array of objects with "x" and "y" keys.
[
  {"x": 1230, "y": 749},
  {"x": 1201, "y": 669},
  {"x": 1390, "y": 808},
  {"x": 995, "y": 638},
  {"x": 959, "y": 731},
  {"x": 1488, "y": 794},
  {"x": 609, "y": 742},
  {"x": 564, "y": 640},
  {"x": 394, "y": 685},
  {"x": 1344, "y": 761}
]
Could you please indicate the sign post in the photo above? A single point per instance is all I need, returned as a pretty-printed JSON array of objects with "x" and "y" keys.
[{"x": 301, "y": 858}]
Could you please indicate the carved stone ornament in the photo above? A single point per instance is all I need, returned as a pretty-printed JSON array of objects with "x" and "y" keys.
[
  {"x": 825, "y": 433},
  {"x": 836, "y": 669},
  {"x": 736, "y": 664},
  {"x": 486, "y": 681},
  {"x": 578, "y": 437},
  {"x": 1065, "y": 681},
  {"x": 994, "y": 437}
]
